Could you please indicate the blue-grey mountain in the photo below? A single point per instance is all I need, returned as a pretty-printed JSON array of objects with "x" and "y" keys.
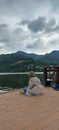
[{"x": 22, "y": 61}]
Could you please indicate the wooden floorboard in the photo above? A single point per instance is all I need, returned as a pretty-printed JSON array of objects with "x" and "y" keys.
[{"x": 20, "y": 112}]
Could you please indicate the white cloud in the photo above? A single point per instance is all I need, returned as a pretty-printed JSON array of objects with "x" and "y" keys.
[{"x": 29, "y": 25}]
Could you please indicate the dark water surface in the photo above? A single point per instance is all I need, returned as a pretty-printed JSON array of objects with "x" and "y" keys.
[{"x": 9, "y": 81}]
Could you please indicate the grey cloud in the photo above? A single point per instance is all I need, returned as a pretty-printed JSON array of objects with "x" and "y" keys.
[
  {"x": 4, "y": 31},
  {"x": 3, "y": 25},
  {"x": 5, "y": 36},
  {"x": 41, "y": 24},
  {"x": 54, "y": 44},
  {"x": 54, "y": 5},
  {"x": 31, "y": 46},
  {"x": 23, "y": 22},
  {"x": 11, "y": 40},
  {"x": 33, "y": 14},
  {"x": 18, "y": 30},
  {"x": 51, "y": 22},
  {"x": 37, "y": 24},
  {"x": 49, "y": 29},
  {"x": 56, "y": 29},
  {"x": 35, "y": 45},
  {"x": 21, "y": 8},
  {"x": 50, "y": 25},
  {"x": 38, "y": 46},
  {"x": 52, "y": 29},
  {"x": 26, "y": 8},
  {"x": 4, "y": 40},
  {"x": 20, "y": 35}
]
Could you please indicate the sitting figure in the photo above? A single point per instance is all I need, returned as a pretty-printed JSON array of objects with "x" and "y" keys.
[{"x": 34, "y": 85}]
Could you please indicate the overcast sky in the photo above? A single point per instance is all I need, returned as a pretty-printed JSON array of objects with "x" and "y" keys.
[{"x": 29, "y": 25}]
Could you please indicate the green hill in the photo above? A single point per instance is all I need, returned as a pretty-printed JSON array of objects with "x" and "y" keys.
[
  {"x": 21, "y": 61},
  {"x": 17, "y": 63}
]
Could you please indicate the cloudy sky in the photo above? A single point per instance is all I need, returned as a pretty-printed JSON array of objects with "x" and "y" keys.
[{"x": 29, "y": 25}]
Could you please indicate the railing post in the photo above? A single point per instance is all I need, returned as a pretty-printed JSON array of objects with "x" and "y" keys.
[
  {"x": 56, "y": 87},
  {"x": 57, "y": 75},
  {"x": 45, "y": 76}
]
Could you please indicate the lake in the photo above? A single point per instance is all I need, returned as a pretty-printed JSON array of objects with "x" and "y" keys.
[
  {"x": 13, "y": 73},
  {"x": 1, "y": 91},
  {"x": 16, "y": 80}
]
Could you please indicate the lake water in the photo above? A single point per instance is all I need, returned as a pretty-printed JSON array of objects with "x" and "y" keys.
[
  {"x": 16, "y": 80},
  {"x": 1, "y": 91},
  {"x": 16, "y": 73}
]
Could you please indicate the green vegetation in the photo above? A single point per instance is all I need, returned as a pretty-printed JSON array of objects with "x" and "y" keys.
[
  {"x": 24, "y": 62},
  {"x": 15, "y": 81},
  {"x": 18, "y": 63}
]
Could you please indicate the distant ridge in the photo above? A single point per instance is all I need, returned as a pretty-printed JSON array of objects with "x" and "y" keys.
[
  {"x": 22, "y": 61},
  {"x": 52, "y": 57},
  {"x": 32, "y": 55}
]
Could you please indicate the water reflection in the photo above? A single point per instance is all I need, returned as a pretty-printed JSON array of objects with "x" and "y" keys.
[
  {"x": 14, "y": 73},
  {"x": 9, "y": 81}
]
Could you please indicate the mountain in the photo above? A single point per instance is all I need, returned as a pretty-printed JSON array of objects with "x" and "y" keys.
[
  {"x": 49, "y": 58},
  {"x": 17, "y": 63},
  {"x": 32, "y": 55},
  {"x": 22, "y": 61}
]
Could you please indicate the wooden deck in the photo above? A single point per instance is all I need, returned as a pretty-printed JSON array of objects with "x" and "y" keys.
[{"x": 20, "y": 112}]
